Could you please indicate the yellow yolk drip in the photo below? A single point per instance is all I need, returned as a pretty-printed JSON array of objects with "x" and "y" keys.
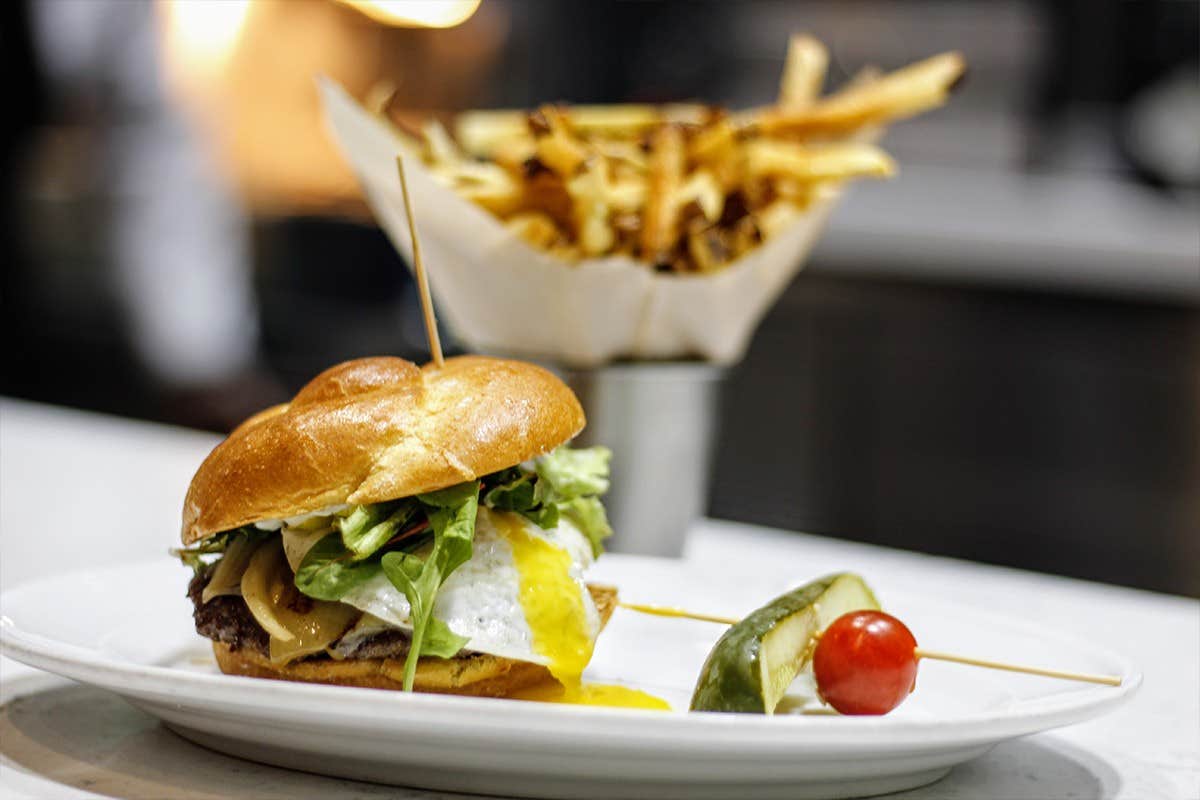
[
  {"x": 553, "y": 604},
  {"x": 551, "y": 599},
  {"x": 593, "y": 694}
]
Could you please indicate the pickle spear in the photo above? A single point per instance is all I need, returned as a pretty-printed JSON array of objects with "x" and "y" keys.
[{"x": 752, "y": 665}]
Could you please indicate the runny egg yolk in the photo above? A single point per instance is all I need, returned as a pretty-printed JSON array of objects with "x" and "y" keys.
[
  {"x": 553, "y": 605},
  {"x": 551, "y": 599},
  {"x": 592, "y": 694}
]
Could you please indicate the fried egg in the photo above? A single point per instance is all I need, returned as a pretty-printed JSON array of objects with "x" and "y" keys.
[{"x": 521, "y": 595}]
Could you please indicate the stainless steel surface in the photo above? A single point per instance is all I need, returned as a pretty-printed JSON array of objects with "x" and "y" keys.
[{"x": 660, "y": 422}]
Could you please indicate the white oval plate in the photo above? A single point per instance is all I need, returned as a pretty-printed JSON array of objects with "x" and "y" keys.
[{"x": 128, "y": 630}]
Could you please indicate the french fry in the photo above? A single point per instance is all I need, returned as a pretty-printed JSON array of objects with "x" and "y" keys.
[
  {"x": 481, "y": 133},
  {"x": 703, "y": 189},
  {"x": 557, "y": 148},
  {"x": 560, "y": 155},
  {"x": 718, "y": 149},
  {"x": 776, "y": 217},
  {"x": 817, "y": 162},
  {"x": 714, "y": 143},
  {"x": 625, "y": 151},
  {"x": 589, "y": 191},
  {"x": 535, "y": 228},
  {"x": 684, "y": 187},
  {"x": 628, "y": 229},
  {"x": 659, "y": 229},
  {"x": 440, "y": 148},
  {"x": 565, "y": 252},
  {"x": 616, "y": 120},
  {"x": 546, "y": 192},
  {"x": 631, "y": 119},
  {"x": 864, "y": 77},
  {"x": 512, "y": 154},
  {"x": 801, "y": 194},
  {"x": 500, "y": 200},
  {"x": 903, "y": 93},
  {"x": 485, "y": 184},
  {"x": 708, "y": 249},
  {"x": 379, "y": 96},
  {"x": 627, "y": 194},
  {"x": 803, "y": 73},
  {"x": 695, "y": 114},
  {"x": 746, "y": 235}
]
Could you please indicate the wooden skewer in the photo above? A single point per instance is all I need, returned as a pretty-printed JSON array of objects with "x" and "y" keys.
[
  {"x": 667, "y": 611},
  {"x": 920, "y": 652},
  {"x": 431, "y": 331},
  {"x": 937, "y": 655}
]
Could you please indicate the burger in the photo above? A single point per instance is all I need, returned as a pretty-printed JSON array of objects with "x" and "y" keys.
[{"x": 404, "y": 527}]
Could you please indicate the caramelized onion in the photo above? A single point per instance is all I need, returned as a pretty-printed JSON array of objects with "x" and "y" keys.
[
  {"x": 297, "y": 542},
  {"x": 263, "y": 588},
  {"x": 298, "y": 625},
  {"x": 227, "y": 575}
]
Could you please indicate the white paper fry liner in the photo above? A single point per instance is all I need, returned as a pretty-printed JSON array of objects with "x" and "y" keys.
[{"x": 499, "y": 294}]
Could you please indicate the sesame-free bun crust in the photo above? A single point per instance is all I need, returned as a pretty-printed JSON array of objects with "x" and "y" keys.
[
  {"x": 481, "y": 674},
  {"x": 377, "y": 429}
]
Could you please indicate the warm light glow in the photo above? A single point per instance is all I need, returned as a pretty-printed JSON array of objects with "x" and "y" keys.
[
  {"x": 201, "y": 34},
  {"x": 417, "y": 13}
]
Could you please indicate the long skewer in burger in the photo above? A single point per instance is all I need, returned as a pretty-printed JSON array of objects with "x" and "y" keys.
[{"x": 404, "y": 527}]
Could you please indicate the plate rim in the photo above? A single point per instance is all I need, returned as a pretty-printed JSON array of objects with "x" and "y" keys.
[{"x": 249, "y": 695}]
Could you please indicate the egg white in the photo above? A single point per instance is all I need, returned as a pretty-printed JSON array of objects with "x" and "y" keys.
[{"x": 481, "y": 599}]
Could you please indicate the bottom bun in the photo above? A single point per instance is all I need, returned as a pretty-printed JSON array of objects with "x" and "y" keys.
[{"x": 480, "y": 674}]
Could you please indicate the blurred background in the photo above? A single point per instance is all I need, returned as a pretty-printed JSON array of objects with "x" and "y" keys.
[{"x": 995, "y": 356}]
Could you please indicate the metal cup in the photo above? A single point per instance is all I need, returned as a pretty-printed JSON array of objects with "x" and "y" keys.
[{"x": 660, "y": 421}]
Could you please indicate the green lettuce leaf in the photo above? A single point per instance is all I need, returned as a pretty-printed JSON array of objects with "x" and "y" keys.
[
  {"x": 452, "y": 517},
  {"x": 545, "y": 517},
  {"x": 453, "y": 498},
  {"x": 563, "y": 483},
  {"x": 588, "y": 515},
  {"x": 329, "y": 570},
  {"x": 564, "y": 474}
]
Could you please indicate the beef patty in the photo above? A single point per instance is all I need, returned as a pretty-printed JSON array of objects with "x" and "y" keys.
[{"x": 227, "y": 619}]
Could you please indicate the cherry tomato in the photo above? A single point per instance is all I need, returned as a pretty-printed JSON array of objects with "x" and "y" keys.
[{"x": 865, "y": 663}]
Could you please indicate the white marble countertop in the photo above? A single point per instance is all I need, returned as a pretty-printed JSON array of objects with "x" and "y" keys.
[{"x": 60, "y": 471}]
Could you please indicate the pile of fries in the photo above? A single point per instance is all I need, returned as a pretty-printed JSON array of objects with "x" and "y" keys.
[{"x": 683, "y": 188}]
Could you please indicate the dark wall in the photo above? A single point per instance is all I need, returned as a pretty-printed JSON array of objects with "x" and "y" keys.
[{"x": 1056, "y": 433}]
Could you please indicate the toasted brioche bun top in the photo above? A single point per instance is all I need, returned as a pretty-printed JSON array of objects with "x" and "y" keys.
[{"x": 377, "y": 429}]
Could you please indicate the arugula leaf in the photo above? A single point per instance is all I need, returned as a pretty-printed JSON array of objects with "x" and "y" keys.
[
  {"x": 367, "y": 528},
  {"x": 588, "y": 515},
  {"x": 191, "y": 558},
  {"x": 452, "y": 517},
  {"x": 440, "y": 641},
  {"x": 329, "y": 570},
  {"x": 517, "y": 491},
  {"x": 194, "y": 556},
  {"x": 565, "y": 474},
  {"x": 513, "y": 490}
]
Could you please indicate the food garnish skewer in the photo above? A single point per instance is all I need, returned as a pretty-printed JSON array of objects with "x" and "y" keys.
[
  {"x": 671, "y": 611},
  {"x": 431, "y": 331},
  {"x": 914, "y": 654}
]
